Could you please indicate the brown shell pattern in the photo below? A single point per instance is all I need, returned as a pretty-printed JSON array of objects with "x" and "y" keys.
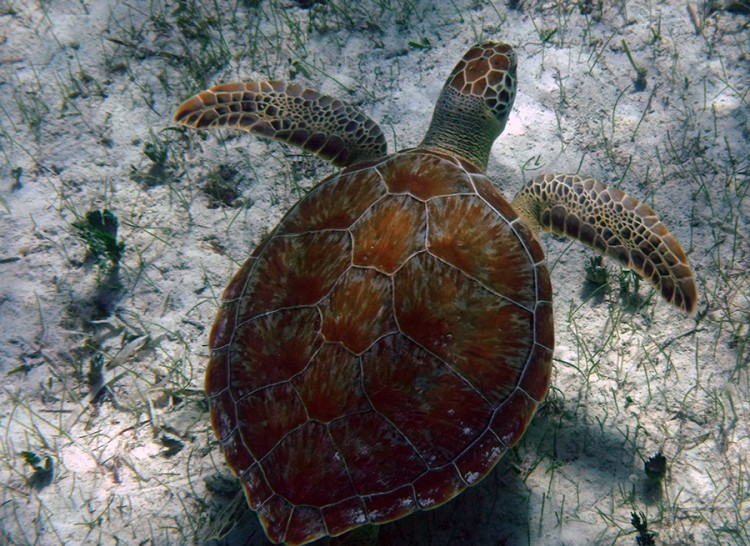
[{"x": 382, "y": 350}]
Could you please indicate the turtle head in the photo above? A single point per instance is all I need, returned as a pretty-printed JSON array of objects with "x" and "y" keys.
[{"x": 474, "y": 104}]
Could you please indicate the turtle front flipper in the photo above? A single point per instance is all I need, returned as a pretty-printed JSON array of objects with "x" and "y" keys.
[
  {"x": 332, "y": 129},
  {"x": 614, "y": 223}
]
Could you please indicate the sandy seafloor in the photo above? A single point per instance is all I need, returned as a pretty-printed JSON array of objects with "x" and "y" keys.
[{"x": 87, "y": 92}]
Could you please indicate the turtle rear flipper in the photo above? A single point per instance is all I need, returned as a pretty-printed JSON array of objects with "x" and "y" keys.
[
  {"x": 330, "y": 128},
  {"x": 615, "y": 224}
]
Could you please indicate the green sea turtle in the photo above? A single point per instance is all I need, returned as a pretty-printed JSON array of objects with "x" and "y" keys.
[{"x": 392, "y": 338}]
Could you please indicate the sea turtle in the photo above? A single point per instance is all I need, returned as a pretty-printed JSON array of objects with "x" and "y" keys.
[{"x": 392, "y": 338}]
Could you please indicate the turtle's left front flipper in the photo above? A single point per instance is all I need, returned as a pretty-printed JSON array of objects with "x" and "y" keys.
[
  {"x": 614, "y": 223},
  {"x": 332, "y": 129}
]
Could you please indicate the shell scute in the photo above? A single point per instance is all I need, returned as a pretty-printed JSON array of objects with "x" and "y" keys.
[
  {"x": 391, "y": 231},
  {"x": 344, "y": 515},
  {"x": 438, "y": 486},
  {"x": 306, "y": 468},
  {"x": 257, "y": 489},
  {"x": 271, "y": 349},
  {"x": 224, "y": 417},
  {"x": 275, "y": 514},
  {"x": 335, "y": 203},
  {"x": 224, "y": 325},
  {"x": 391, "y": 505},
  {"x": 466, "y": 233},
  {"x": 237, "y": 453},
  {"x": 437, "y": 411},
  {"x": 536, "y": 376},
  {"x": 358, "y": 310},
  {"x": 217, "y": 376},
  {"x": 377, "y": 454},
  {"x": 295, "y": 270},
  {"x": 304, "y": 522},
  {"x": 267, "y": 416},
  {"x": 479, "y": 458},
  {"x": 512, "y": 418},
  {"x": 423, "y": 175},
  {"x": 544, "y": 325},
  {"x": 544, "y": 295},
  {"x": 494, "y": 198},
  {"x": 486, "y": 338},
  {"x": 331, "y": 385}
]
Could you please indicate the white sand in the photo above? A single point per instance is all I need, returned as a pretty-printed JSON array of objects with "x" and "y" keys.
[{"x": 77, "y": 110}]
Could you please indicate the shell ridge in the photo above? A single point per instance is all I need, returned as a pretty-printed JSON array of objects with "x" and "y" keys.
[
  {"x": 326, "y": 295},
  {"x": 385, "y": 417},
  {"x": 526, "y": 392},
  {"x": 357, "y": 220},
  {"x": 450, "y": 366},
  {"x": 512, "y": 225},
  {"x": 344, "y": 462},
  {"x": 360, "y": 363},
  {"x": 275, "y": 383},
  {"x": 313, "y": 356},
  {"x": 416, "y": 450},
  {"x": 354, "y": 169},
  {"x": 530, "y": 370},
  {"x": 473, "y": 444},
  {"x": 220, "y": 347},
  {"x": 539, "y": 299},
  {"x": 242, "y": 475},
  {"x": 349, "y": 414},
  {"x": 264, "y": 458},
  {"x": 458, "y": 470},
  {"x": 397, "y": 487},
  {"x": 297, "y": 393},
  {"x": 332, "y": 180},
  {"x": 456, "y": 194},
  {"x": 269, "y": 313},
  {"x": 524, "y": 243},
  {"x": 258, "y": 390},
  {"x": 473, "y": 183},
  {"x": 499, "y": 439},
  {"x": 240, "y": 297},
  {"x": 509, "y": 399},
  {"x": 426, "y": 230},
  {"x": 281, "y": 382},
  {"x": 480, "y": 283},
  {"x": 396, "y": 270},
  {"x": 309, "y": 232},
  {"x": 536, "y": 342},
  {"x": 399, "y": 268},
  {"x": 219, "y": 393},
  {"x": 380, "y": 337},
  {"x": 519, "y": 222}
]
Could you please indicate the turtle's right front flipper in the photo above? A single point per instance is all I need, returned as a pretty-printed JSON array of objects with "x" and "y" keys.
[
  {"x": 614, "y": 223},
  {"x": 332, "y": 129}
]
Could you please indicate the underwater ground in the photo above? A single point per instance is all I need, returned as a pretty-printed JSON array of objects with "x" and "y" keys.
[{"x": 119, "y": 231}]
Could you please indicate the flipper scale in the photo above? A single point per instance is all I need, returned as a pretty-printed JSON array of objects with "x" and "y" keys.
[
  {"x": 615, "y": 224},
  {"x": 332, "y": 129}
]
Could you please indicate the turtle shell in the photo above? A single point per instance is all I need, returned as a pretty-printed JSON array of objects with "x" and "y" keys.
[{"x": 382, "y": 349}]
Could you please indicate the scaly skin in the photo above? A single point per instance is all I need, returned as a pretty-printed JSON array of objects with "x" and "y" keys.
[
  {"x": 613, "y": 223},
  {"x": 330, "y": 128},
  {"x": 474, "y": 104}
]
